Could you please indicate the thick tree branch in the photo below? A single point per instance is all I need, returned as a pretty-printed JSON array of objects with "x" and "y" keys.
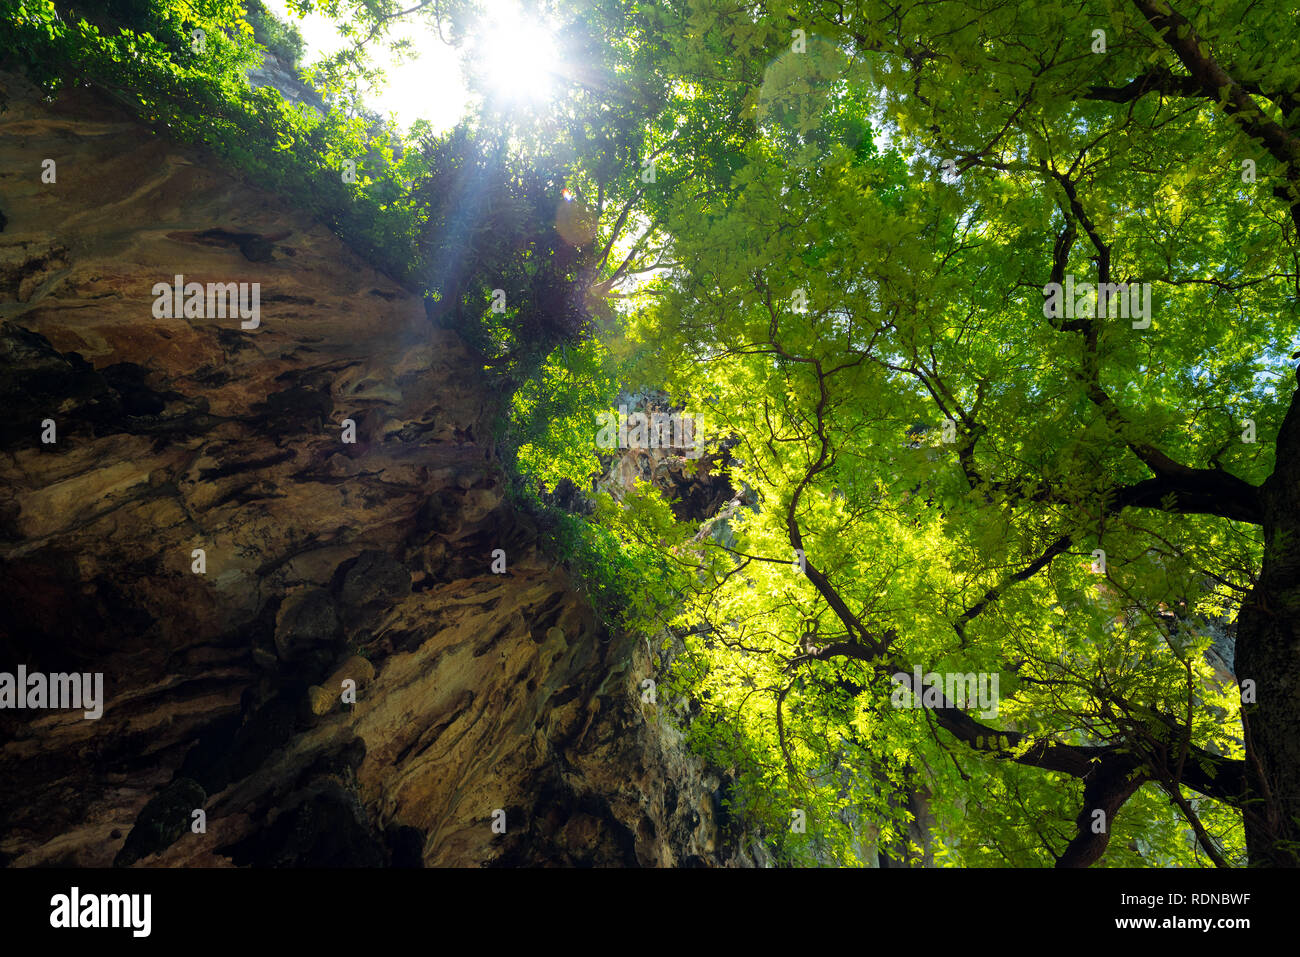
[
  {"x": 1195, "y": 492},
  {"x": 1105, "y": 788},
  {"x": 1214, "y": 776},
  {"x": 1215, "y": 83}
]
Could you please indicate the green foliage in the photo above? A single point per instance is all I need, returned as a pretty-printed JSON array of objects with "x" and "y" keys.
[
  {"x": 147, "y": 61},
  {"x": 924, "y": 295},
  {"x": 282, "y": 39},
  {"x": 492, "y": 226},
  {"x": 554, "y": 415},
  {"x": 617, "y": 560}
]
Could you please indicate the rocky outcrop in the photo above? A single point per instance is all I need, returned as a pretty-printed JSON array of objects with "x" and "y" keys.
[
  {"x": 277, "y": 544},
  {"x": 275, "y": 71}
]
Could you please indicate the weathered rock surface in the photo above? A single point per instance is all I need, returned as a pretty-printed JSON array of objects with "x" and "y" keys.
[{"x": 173, "y": 435}]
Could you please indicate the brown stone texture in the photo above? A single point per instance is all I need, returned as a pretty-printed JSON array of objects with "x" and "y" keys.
[{"x": 489, "y": 691}]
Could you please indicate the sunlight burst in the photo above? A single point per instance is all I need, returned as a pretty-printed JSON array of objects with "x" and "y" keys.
[{"x": 517, "y": 54}]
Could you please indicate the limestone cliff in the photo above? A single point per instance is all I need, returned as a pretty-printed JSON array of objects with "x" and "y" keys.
[{"x": 476, "y": 691}]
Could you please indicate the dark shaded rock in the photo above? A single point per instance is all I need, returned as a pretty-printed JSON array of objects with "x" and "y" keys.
[
  {"x": 39, "y": 382},
  {"x": 405, "y": 847},
  {"x": 579, "y": 830},
  {"x": 568, "y": 497},
  {"x": 294, "y": 409},
  {"x": 162, "y": 821},
  {"x": 438, "y": 514},
  {"x": 266, "y": 729},
  {"x": 254, "y": 246},
  {"x": 307, "y": 623},
  {"x": 129, "y": 381},
  {"x": 257, "y": 249},
  {"x": 43, "y": 587},
  {"x": 208, "y": 762},
  {"x": 327, "y": 827},
  {"x": 373, "y": 580},
  {"x": 341, "y": 762},
  {"x": 721, "y": 799}
]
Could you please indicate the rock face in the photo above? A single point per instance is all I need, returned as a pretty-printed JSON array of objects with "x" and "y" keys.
[
  {"x": 201, "y": 533},
  {"x": 276, "y": 72}
]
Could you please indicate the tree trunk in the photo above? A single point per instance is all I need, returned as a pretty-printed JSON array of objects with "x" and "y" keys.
[{"x": 1268, "y": 654}]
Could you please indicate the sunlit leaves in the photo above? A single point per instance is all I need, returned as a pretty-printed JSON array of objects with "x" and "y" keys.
[{"x": 837, "y": 306}]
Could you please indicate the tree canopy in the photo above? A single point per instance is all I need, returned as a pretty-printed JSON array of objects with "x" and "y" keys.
[{"x": 873, "y": 214}]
